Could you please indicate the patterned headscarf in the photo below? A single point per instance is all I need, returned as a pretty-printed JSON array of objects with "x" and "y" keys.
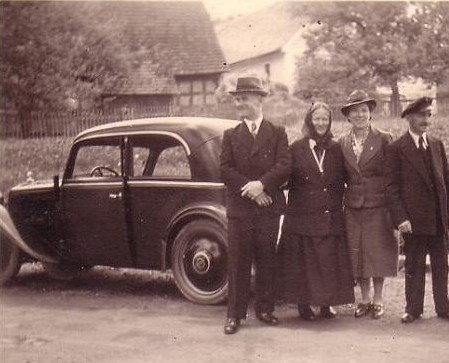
[{"x": 308, "y": 130}]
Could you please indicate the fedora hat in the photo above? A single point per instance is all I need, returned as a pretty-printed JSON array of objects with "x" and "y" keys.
[
  {"x": 358, "y": 97},
  {"x": 249, "y": 85},
  {"x": 419, "y": 105}
]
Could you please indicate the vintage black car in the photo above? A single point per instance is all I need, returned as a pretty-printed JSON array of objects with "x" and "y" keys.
[{"x": 142, "y": 194}]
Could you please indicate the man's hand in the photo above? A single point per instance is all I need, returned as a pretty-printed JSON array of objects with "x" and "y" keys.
[
  {"x": 405, "y": 227},
  {"x": 263, "y": 200},
  {"x": 252, "y": 189}
]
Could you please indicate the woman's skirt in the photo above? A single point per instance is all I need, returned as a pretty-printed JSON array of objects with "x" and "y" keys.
[
  {"x": 372, "y": 244},
  {"x": 316, "y": 270}
]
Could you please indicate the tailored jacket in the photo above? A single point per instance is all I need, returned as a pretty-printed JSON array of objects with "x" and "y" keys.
[
  {"x": 315, "y": 198},
  {"x": 412, "y": 193},
  {"x": 244, "y": 158},
  {"x": 366, "y": 178}
]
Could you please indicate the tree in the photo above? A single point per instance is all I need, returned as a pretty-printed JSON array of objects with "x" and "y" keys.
[
  {"x": 431, "y": 42},
  {"x": 357, "y": 45},
  {"x": 54, "y": 52}
]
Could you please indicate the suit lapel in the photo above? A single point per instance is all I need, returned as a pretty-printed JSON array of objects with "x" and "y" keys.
[
  {"x": 244, "y": 137},
  {"x": 372, "y": 145},
  {"x": 413, "y": 155},
  {"x": 436, "y": 159},
  {"x": 348, "y": 152},
  {"x": 264, "y": 134},
  {"x": 310, "y": 159}
]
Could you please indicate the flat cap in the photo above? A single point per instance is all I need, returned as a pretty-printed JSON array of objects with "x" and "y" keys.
[{"x": 417, "y": 106}]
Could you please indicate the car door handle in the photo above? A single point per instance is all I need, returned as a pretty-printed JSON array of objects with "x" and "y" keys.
[{"x": 115, "y": 196}]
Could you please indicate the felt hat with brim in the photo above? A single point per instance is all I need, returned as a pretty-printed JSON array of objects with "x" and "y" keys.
[
  {"x": 249, "y": 85},
  {"x": 358, "y": 97},
  {"x": 420, "y": 105}
]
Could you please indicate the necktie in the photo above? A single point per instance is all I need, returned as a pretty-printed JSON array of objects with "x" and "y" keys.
[
  {"x": 421, "y": 144},
  {"x": 253, "y": 129}
]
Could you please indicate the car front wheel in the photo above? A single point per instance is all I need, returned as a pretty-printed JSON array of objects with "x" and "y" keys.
[
  {"x": 9, "y": 260},
  {"x": 199, "y": 262}
]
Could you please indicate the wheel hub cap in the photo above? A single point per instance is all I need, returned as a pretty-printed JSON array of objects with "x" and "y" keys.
[{"x": 202, "y": 262}]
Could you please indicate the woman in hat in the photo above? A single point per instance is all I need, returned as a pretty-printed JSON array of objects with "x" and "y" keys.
[
  {"x": 316, "y": 269},
  {"x": 373, "y": 246}
]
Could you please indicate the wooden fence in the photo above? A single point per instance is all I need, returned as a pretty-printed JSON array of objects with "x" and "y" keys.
[{"x": 46, "y": 124}]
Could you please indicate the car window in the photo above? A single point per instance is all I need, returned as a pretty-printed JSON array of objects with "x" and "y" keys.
[
  {"x": 94, "y": 161},
  {"x": 140, "y": 160},
  {"x": 172, "y": 163}
]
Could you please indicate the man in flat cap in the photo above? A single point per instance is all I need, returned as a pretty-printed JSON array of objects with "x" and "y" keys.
[
  {"x": 417, "y": 191},
  {"x": 254, "y": 164}
]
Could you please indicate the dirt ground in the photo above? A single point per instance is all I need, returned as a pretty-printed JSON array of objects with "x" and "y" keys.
[{"x": 122, "y": 316}]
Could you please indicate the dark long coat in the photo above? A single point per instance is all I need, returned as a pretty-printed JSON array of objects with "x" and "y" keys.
[
  {"x": 244, "y": 159},
  {"x": 315, "y": 198},
  {"x": 410, "y": 187},
  {"x": 370, "y": 233}
]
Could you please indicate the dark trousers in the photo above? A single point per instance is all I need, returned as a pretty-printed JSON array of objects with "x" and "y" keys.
[
  {"x": 416, "y": 248},
  {"x": 251, "y": 239}
]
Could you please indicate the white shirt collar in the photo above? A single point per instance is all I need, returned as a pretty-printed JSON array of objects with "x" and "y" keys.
[
  {"x": 416, "y": 137},
  {"x": 258, "y": 121}
]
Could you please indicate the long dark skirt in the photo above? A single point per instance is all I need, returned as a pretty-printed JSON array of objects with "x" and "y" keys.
[{"x": 315, "y": 270}]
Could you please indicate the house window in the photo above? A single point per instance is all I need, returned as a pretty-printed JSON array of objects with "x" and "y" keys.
[{"x": 196, "y": 92}]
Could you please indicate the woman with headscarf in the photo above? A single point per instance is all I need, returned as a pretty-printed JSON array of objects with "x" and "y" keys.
[
  {"x": 316, "y": 269},
  {"x": 372, "y": 244}
]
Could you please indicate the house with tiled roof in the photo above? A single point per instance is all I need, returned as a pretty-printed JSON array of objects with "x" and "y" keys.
[
  {"x": 176, "y": 57},
  {"x": 266, "y": 42}
]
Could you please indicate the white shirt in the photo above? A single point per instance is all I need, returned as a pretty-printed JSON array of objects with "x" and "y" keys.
[
  {"x": 416, "y": 137},
  {"x": 258, "y": 121}
]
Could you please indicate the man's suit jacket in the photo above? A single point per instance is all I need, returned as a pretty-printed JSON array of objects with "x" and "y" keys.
[
  {"x": 411, "y": 191},
  {"x": 243, "y": 159},
  {"x": 365, "y": 179}
]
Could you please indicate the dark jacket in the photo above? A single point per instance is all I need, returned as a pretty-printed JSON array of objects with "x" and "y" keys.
[
  {"x": 315, "y": 199},
  {"x": 411, "y": 191},
  {"x": 244, "y": 159},
  {"x": 366, "y": 179}
]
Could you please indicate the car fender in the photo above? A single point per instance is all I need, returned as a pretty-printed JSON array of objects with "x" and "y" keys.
[
  {"x": 9, "y": 230},
  {"x": 214, "y": 211}
]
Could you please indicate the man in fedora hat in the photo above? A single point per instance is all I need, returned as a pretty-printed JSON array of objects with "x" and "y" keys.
[
  {"x": 254, "y": 164},
  {"x": 417, "y": 185}
]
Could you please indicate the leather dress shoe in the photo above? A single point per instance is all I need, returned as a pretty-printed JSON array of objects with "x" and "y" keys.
[
  {"x": 377, "y": 311},
  {"x": 408, "y": 318},
  {"x": 267, "y": 318},
  {"x": 328, "y": 312},
  {"x": 443, "y": 315},
  {"x": 362, "y": 309},
  {"x": 231, "y": 326},
  {"x": 306, "y": 312}
]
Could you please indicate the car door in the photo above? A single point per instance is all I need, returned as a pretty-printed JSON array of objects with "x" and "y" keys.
[
  {"x": 93, "y": 204},
  {"x": 159, "y": 172}
]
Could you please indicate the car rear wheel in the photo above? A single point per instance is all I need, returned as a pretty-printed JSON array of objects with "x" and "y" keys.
[
  {"x": 64, "y": 270},
  {"x": 199, "y": 262},
  {"x": 9, "y": 260}
]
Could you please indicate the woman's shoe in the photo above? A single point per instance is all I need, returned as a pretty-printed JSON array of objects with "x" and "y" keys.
[
  {"x": 328, "y": 312},
  {"x": 377, "y": 311},
  {"x": 306, "y": 312},
  {"x": 362, "y": 309}
]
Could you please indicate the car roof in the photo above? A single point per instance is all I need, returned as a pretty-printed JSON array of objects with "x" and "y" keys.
[{"x": 194, "y": 130}]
